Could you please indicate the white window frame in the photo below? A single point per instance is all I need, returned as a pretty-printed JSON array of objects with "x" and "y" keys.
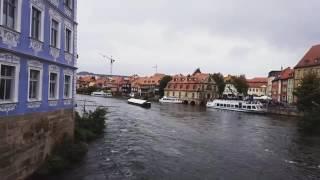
[
  {"x": 39, "y": 68},
  {"x": 16, "y": 82},
  {"x": 57, "y": 72},
  {"x": 68, "y": 73},
  {"x": 42, "y": 21},
  {"x": 56, "y": 17},
  {"x": 59, "y": 32},
  {"x": 65, "y": 40},
  {"x": 17, "y": 25}
]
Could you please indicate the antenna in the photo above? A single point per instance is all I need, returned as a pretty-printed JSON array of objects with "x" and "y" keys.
[{"x": 111, "y": 61}]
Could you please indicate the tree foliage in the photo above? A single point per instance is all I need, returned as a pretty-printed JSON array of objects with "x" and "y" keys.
[
  {"x": 241, "y": 84},
  {"x": 163, "y": 84},
  {"x": 219, "y": 80},
  {"x": 197, "y": 71},
  {"x": 70, "y": 152},
  {"x": 308, "y": 95},
  {"x": 87, "y": 90}
]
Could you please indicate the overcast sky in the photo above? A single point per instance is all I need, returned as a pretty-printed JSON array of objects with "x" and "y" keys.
[{"x": 248, "y": 37}]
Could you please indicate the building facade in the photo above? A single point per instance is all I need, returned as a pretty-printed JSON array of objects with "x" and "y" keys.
[
  {"x": 257, "y": 86},
  {"x": 193, "y": 89},
  {"x": 38, "y": 52},
  {"x": 37, "y": 55},
  {"x": 147, "y": 87},
  {"x": 271, "y": 76},
  {"x": 309, "y": 63},
  {"x": 282, "y": 87}
]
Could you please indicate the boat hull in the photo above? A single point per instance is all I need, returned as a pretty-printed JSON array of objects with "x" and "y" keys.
[
  {"x": 238, "y": 110},
  {"x": 170, "y": 102},
  {"x": 145, "y": 105}
]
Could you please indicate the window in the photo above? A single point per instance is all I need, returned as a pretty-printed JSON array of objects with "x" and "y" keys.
[
  {"x": 67, "y": 86},
  {"x": 54, "y": 33},
  {"x": 68, "y": 40},
  {"x": 7, "y": 83},
  {"x": 68, "y": 3},
  {"x": 53, "y": 86},
  {"x": 9, "y": 13},
  {"x": 34, "y": 84},
  {"x": 36, "y": 24}
]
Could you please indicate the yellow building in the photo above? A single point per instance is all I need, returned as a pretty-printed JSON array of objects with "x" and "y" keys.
[
  {"x": 309, "y": 63},
  {"x": 193, "y": 89}
]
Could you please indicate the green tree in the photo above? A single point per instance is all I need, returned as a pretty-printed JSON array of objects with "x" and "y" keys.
[
  {"x": 163, "y": 84},
  {"x": 308, "y": 95},
  {"x": 241, "y": 84},
  {"x": 219, "y": 80}
]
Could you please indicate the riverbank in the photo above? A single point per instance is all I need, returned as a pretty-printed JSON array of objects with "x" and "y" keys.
[{"x": 71, "y": 152}]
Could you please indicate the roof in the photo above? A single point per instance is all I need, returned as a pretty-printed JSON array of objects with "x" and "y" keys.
[
  {"x": 286, "y": 73},
  {"x": 257, "y": 82},
  {"x": 188, "y": 83},
  {"x": 274, "y": 73},
  {"x": 311, "y": 58}
]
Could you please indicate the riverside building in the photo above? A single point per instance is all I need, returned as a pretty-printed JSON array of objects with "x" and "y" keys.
[
  {"x": 195, "y": 89},
  {"x": 38, "y": 52}
]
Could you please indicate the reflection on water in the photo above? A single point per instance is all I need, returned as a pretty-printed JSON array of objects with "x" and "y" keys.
[{"x": 184, "y": 142}]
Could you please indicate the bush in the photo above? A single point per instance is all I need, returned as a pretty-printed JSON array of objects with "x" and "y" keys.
[{"x": 88, "y": 127}]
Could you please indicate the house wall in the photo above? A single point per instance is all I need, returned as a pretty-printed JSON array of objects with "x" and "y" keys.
[
  {"x": 30, "y": 129},
  {"x": 16, "y": 47},
  {"x": 26, "y": 141}
]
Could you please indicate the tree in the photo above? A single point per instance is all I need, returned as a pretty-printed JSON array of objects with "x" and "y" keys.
[
  {"x": 197, "y": 71},
  {"x": 241, "y": 84},
  {"x": 308, "y": 95},
  {"x": 219, "y": 80},
  {"x": 163, "y": 84}
]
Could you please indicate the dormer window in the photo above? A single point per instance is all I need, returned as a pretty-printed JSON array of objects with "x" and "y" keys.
[{"x": 306, "y": 61}]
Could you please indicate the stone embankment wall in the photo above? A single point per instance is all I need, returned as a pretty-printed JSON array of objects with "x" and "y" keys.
[
  {"x": 284, "y": 111},
  {"x": 26, "y": 141}
]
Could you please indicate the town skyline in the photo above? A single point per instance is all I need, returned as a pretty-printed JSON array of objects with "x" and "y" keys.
[{"x": 245, "y": 36}]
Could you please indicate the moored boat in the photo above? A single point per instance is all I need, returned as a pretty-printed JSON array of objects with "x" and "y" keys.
[
  {"x": 237, "y": 105},
  {"x": 173, "y": 100},
  {"x": 101, "y": 94},
  {"x": 139, "y": 102}
]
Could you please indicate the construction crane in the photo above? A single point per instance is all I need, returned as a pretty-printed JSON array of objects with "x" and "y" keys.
[{"x": 111, "y": 61}]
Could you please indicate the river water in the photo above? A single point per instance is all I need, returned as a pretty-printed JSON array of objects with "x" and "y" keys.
[{"x": 181, "y": 142}]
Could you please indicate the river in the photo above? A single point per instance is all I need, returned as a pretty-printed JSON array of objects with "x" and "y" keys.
[{"x": 181, "y": 142}]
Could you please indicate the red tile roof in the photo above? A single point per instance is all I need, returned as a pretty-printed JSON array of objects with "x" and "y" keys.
[
  {"x": 311, "y": 58},
  {"x": 286, "y": 73},
  {"x": 187, "y": 83},
  {"x": 257, "y": 82}
]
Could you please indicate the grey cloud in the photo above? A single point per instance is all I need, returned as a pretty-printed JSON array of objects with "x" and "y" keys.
[{"x": 163, "y": 31}]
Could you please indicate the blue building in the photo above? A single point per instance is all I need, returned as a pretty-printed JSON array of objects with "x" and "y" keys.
[{"x": 38, "y": 52}]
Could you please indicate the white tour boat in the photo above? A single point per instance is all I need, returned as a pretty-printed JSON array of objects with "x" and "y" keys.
[
  {"x": 101, "y": 94},
  {"x": 235, "y": 105},
  {"x": 173, "y": 100}
]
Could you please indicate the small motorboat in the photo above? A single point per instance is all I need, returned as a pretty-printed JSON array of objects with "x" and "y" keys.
[
  {"x": 139, "y": 102},
  {"x": 101, "y": 94}
]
